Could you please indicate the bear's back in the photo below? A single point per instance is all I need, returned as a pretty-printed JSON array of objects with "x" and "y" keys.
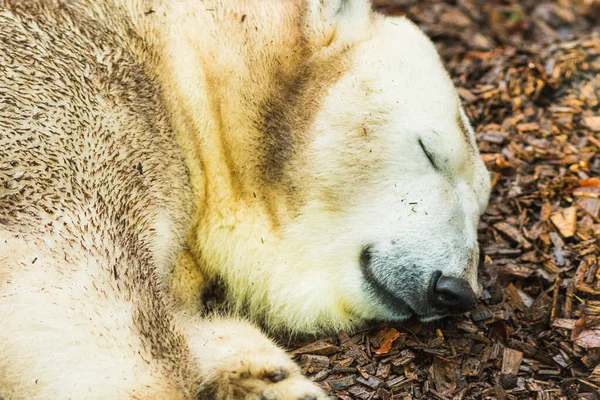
[{"x": 82, "y": 127}]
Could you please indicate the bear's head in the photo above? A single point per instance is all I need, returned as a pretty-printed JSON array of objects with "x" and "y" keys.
[{"x": 363, "y": 182}]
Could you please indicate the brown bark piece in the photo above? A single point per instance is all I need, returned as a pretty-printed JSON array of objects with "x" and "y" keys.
[
  {"x": 565, "y": 221},
  {"x": 592, "y": 122},
  {"x": 351, "y": 349},
  {"x": 317, "y": 348},
  {"x": 513, "y": 234},
  {"x": 511, "y": 361},
  {"x": 312, "y": 364}
]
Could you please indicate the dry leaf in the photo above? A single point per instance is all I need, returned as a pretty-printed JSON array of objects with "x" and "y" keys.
[
  {"x": 500, "y": 331},
  {"x": 584, "y": 336},
  {"x": 490, "y": 157},
  {"x": 588, "y": 188},
  {"x": 590, "y": 205},
  {"x": 387, "y": 337},
  {"x": 444, "y": 376},
  {"x": 588, "y": 339}
]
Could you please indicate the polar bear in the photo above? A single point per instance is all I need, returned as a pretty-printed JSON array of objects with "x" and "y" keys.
[{"x": 311, "y": 155}]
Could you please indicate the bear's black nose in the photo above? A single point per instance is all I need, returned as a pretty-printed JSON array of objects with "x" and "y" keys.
[{"x": 452, "y": 294}]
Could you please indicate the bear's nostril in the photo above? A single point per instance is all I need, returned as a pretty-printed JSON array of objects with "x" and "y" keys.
[
  {"x": 453, "y": 294},
  {"x": 446, "y": 298}
]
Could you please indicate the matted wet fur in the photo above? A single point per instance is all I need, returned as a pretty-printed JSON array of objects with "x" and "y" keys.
[{"x": 149, "y": 148}]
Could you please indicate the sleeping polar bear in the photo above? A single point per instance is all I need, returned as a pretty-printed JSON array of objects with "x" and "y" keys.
[{"x": 309, "y": 154}]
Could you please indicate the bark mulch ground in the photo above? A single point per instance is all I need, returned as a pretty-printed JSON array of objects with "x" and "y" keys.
[{"x": 528, "y": 73}]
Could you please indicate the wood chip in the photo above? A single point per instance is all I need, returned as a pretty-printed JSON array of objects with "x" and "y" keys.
[
  {"x": 511, "y": 361},
  {"x": 352, "y": 350},
  {"x": 371, "y": 382},
  {"x": 312, "y": 363},
  {"x": 397, "y": 382},
  {"x": 317, "y": 348},
  {"x": 471, "y": 366},
  {"x": 565, "y": 221},
  {"x": 561, "y": 323},
  {"x": 595, "y": 375},
  {"x": 513, "y": 234},
  {"x": 481, "y": 314},
  {"x": 592, "y": 122},
  {"x": 359, "y": 392},
  {"x": 405, "y": 357},
  {"x": 341, "y": 383}
]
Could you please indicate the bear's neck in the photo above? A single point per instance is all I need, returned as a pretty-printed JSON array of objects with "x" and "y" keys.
[{"x": 238, "y": 103}]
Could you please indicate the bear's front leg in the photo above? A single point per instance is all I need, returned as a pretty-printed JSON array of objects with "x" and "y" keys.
[{"x": 236, "y": 361}]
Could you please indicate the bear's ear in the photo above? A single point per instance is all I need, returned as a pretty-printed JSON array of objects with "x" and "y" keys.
[{"x": 332, "y": 21}]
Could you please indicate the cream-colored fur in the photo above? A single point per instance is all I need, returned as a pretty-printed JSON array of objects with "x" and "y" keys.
[{"x": 150, "y": 148}]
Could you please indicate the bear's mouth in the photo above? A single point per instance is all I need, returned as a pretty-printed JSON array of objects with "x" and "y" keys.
[
  {"x": 398, "y": 308},
  {"x": 423, "y": 318}
]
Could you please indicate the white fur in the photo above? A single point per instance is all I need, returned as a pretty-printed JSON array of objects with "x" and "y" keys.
[
  {"x": 38, "y": 302},
  {"x": 359, "y": 175}
]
